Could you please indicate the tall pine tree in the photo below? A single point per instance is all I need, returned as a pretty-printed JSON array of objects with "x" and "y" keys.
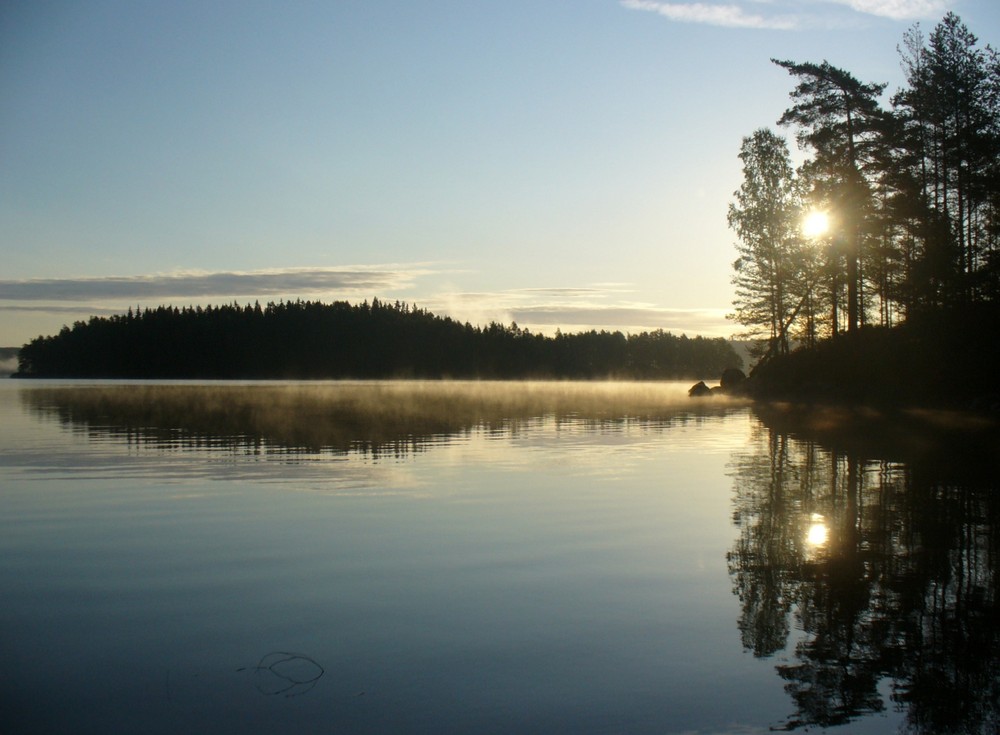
[{"x": 839, "y": 118}]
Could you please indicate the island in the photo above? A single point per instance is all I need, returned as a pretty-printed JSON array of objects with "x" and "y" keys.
[{"x": 314, "y": 340}]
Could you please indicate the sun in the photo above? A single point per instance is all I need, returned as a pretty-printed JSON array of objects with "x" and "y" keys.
[{"x": 815, "y": 223}]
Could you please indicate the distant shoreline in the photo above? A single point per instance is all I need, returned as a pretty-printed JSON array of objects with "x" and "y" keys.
[{"x": 339, "y": 340}]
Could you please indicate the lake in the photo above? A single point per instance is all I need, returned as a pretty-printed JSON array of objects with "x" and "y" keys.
[{"x": 459, "y": 557}]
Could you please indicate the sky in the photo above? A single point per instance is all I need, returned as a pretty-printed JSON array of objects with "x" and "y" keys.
[{"x": 555, "y": 163}]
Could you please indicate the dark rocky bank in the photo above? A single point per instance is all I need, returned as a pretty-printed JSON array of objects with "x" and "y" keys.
[{"x": 939, "y": 361}]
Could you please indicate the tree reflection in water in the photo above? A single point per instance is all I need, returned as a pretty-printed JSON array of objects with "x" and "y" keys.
[
  {"x": 374, "y": 418},
  {"x": 903, "y": 587}
]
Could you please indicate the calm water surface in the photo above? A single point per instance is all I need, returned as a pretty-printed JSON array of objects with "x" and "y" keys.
[{"x": 463, "y": 557}]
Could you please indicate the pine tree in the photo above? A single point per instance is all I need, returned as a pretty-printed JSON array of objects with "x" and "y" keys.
[
  {"x": 949, "y": 117},
  {"x": 839, "y": 118}
]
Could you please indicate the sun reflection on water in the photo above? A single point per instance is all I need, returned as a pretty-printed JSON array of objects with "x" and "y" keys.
[{"x": 817, "y": 533}]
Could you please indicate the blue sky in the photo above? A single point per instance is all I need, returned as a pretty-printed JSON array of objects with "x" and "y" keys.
[{"x": 558, "y": 163}]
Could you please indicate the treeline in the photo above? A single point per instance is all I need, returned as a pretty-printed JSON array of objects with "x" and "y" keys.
[
  {"x": 312, "y": 340},
  {"x": 910, "y": 192}
]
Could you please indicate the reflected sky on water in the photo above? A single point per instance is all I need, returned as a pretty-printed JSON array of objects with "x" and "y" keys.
[{"x": 442, "y": 557}]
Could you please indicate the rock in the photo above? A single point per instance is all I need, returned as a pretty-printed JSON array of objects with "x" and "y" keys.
[
  {"x": 733, "y": 380},
  {"x": 699, "y": 389}
]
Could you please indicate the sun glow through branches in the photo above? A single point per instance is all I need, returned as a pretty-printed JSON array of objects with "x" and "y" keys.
[{"x": 815, "y": 224}]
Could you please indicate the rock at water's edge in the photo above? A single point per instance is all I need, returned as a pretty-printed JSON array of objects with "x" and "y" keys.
[
  {"x": 699, "y": 389},
  {"x": 733, "y": 380}
]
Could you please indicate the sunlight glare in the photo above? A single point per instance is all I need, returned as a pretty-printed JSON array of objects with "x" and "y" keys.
[
  {"x": 818, "y": 531},
  {"x": 815, "y": 224}
]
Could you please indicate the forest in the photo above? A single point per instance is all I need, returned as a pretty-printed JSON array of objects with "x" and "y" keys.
[
  {"x": 892, "y": 223},
  {"x": 313, "y": 340}
]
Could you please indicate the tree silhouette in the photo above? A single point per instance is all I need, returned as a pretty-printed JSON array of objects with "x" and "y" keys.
[
  {"x": 770, "y": 276},
  {"x": 304, "y": 339},
  {"x": 913, "y": 190},
  {"x": 839, "y": 118}
]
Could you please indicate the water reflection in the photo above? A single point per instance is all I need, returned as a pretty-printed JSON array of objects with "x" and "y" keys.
[
  {"x": 818, "y": 533},
  {"x": 865, "y": 561},
  {"x": 878, "y": 541},
  {"x": 571, "y": 582},
  {"x": 374, "y": 419}
]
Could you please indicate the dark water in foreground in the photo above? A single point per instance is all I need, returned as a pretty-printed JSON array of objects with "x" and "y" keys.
[{"x": 461, "y": 557}]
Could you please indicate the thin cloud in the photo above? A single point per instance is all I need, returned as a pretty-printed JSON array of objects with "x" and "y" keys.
[
  {"x": 541, "y": 309},
  {"x": 727, "y": 16},
  {"x": 58, "y": 309},
  {"x": 577, "y": 309},
  {"x": 784, "y": 15},
  {"x": 350, "y": 279},
  {"x": 627, "y": 318},
  {"x": 898, "y": 9},
  {"x": 598, "y": 289}
]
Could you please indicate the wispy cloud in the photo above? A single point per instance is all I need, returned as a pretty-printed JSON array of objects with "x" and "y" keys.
[
  {"x": 898, "y": 9},
  {"x": 627, "y": 318},
  {"x": 787, "y": 14},
  {"x": 726, "y": 15},
  {"x": 58, "y": 309},
  {"x": 611, "y": 306},
  {"x": 373, "y": 280},
  {"x": 600, "y": 306}
]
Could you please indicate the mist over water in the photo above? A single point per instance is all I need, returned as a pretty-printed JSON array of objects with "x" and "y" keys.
[
  {"x": 408, "y": 556},
  {"x": 355, "y": 416}
]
